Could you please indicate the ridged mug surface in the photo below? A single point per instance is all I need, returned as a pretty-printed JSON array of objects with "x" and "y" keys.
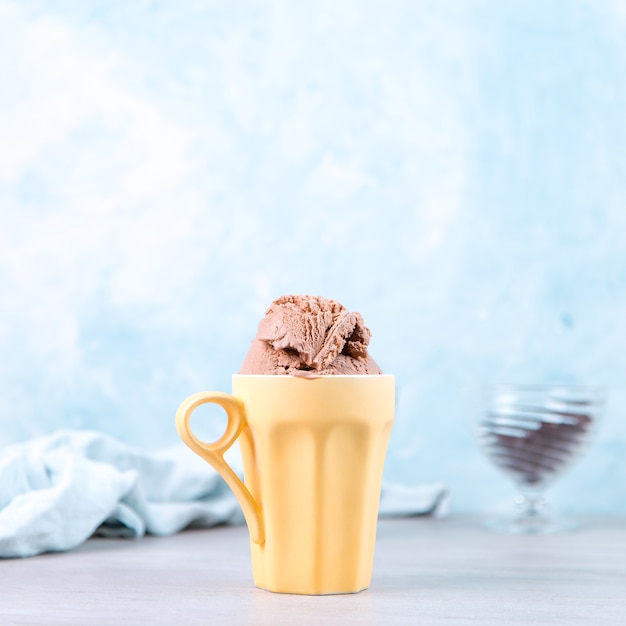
[{"x": 313, "y": 453}]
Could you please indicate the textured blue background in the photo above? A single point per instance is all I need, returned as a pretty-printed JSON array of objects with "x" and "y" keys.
[{"x": 453, "y": 170}]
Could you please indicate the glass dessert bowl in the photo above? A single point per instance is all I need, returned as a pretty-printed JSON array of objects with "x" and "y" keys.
[{"x": 534, "y": 433}]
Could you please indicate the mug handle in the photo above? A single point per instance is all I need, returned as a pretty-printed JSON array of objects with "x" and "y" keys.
[{"x": 213, "y": 453}]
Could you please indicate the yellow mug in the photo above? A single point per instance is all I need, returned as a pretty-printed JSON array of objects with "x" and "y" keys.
[{"x": 313, "y": 452}]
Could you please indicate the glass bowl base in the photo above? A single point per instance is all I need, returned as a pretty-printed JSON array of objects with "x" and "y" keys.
[{"x": 530, "y": 525}]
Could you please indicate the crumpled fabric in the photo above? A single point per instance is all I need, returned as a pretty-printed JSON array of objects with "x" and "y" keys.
[
  {"x": 397, "y": 500},
  {"x": 57, "y": 491}
]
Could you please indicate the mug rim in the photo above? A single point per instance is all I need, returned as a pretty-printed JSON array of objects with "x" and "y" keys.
[{"x": 315, "y": 376}]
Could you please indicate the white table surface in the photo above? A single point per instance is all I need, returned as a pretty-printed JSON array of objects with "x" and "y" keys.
[{"x": 426, "y": 571}]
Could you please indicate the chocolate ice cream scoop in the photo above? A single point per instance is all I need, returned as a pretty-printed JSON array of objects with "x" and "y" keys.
[{"x": 310, "y": 335}]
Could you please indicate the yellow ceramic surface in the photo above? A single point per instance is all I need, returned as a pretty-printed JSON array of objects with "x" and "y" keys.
[{"x": 313, "y": 451}]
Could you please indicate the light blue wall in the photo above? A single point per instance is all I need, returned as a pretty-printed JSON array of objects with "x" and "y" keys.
[{"x": 453, "y": 170}]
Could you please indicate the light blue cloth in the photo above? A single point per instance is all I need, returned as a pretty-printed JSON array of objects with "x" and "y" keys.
[
  {"x": 398, "y": 500},
  {"x": 57, "y": 491}
]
